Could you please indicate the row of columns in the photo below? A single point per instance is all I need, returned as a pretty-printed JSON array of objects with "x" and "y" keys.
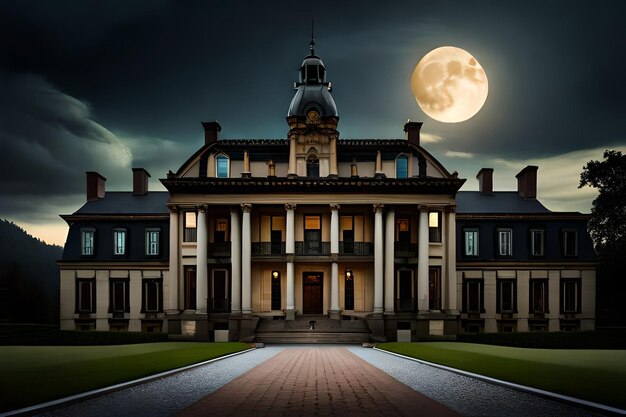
[{"x": 241, "y": 261}]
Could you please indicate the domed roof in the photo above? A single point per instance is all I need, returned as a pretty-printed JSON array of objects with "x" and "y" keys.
[{"x": 312, "y": 90}]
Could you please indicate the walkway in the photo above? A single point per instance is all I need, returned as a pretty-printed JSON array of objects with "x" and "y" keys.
[{"x": 316, "y": 382}]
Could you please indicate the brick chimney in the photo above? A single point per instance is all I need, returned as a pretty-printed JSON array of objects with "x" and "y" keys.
[
  {"x": 527, "y": 182},
  {"x": 412, "y": 130},
  {"x": 140, "y": 181},
  {"x": 211, "y": 132},
  {"x": 485, "y": 180},
  {"x": 95, "y": 186}
]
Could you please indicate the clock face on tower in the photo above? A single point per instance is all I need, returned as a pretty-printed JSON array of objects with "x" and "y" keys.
[{"x": 313, "y": 115}]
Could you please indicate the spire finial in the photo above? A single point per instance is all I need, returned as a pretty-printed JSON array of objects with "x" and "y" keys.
[{"x": 312, "y": 37}]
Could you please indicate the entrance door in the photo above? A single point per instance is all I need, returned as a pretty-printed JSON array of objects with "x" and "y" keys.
[
  {"x": 312, "y": 294},
  {"x": 406, "y": 300}
]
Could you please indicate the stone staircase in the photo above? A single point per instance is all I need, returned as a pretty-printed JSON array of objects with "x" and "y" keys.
[{"x": 299, "y": 331}]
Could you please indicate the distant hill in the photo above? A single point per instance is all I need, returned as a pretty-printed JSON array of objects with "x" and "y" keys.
[{"x": 29, "y": 277}]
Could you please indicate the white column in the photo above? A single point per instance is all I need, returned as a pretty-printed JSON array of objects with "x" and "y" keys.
[
  {"x": 451, "y": 245},
  {"x": 172, "y": 299},
  {"x": 334, "y": 253},
  {"x": 235, "y": 260},
  {"x": 290, "y": 249},
  {"x": 246, "y": 261},
  {"x": 389, "y": 261},
  {"x": 201, "y": 263},
  {"x": 292, "y": 169},
  {"x": 378, "y": 258},
  {"x": 422, "y": 260}
]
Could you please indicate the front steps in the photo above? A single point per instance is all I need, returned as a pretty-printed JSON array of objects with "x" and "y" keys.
[{"x": 299, "y": 331}]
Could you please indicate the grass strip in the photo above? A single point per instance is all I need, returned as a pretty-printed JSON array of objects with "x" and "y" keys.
[
  {"x": 33, "y": 375},
  {"x": 561, "y": 371}
]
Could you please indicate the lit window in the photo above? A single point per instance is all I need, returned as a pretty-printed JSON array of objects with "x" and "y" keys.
[
  {"x": 505, "y": 242},
  {"x": 537, "y": 242},
  {"x": 152, "y": 242},
  {"x": 119, "y": 242},
  {"x": 221, "y": 165},
  {"x": 190, "y": 227},
  {"x": 471, "y": 242},
  {"x": 570, "y": 243},
  {"x": 87, "y": 241},
  {"x": 434, "y": 226},
  {"x": 402, "y": 167}
]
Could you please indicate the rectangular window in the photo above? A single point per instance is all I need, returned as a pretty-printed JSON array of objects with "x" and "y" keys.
[
  {"x": 190, "y": 227},
  {"x": 434, "y": 288},
  {"x": 402, "y": 166},
  {"x": 87, "y": 241},
  {"x": 349, "y": 291},
  {"x": 119, "y": 241},
  {"x": 473, "y": 296},
  {"x": 434, "y": 226},
  {"x": 86, "y": 295},
  {"x": 570, "y": 296},
  {"x": 152, "y": 242},
  {"x": 471, "y": 242},
  {"x": 219, "y": 291},
  {"x": 312, "y": 235},
  {"x": 221, "y": 231},
  {"x": 119, "y": 301},
  {"x": 347, "y": 234},
  {"x": 570, "y": 244},
  {"x": 403, "y": 235},
  {"x": 505, "y": 242},
  {"x": 506, "y": 296},
  {"x": 276, "y": 291},
  {"x": 190, "y": 287},
  {"x": 538, "y": 296},
  {"x": 152, "y": 301},
  {"x": 221, "y": 163},
  {"x": 537, "y": 242}
]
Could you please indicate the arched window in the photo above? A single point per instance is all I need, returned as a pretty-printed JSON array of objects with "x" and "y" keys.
[
  {"x": 221, "y": 166},
  {"x": 312, "y": 166},
  {"x": 402, "y": 166}
]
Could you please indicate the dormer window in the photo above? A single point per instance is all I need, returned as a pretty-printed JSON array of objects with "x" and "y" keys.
[
  {"x": 312, "y": 166},
  {"x": 402, "y": 166},
  {"x": 312, "y": 75},
  {"x": 221, "y": 166}
]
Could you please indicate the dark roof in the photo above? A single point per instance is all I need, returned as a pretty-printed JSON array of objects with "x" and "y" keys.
[
  {"x": 474, "y": 202},
  {"x": 124, "y": 202}
]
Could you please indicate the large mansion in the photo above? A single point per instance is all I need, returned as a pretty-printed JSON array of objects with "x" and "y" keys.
[{"x": 367, "y": 231}]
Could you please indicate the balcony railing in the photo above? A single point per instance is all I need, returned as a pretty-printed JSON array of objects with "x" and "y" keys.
[
  {"x": 219, "y": 248},
  {"x": 268, "y": 248},
  {"x": 355, "y": 248},
  {"x": 405, "y": 248},
  {"x": 220, "y": 305},
  {"x": 312, "y": 248}
]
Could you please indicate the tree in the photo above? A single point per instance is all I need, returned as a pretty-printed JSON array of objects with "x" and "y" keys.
[{"x": 607, "y": 226}]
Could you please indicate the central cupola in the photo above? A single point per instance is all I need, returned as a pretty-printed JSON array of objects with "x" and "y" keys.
[{"x": 312, "y": 119}]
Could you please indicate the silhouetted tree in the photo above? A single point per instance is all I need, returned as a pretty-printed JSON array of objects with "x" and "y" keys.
[{"x": 607, "y": 229}]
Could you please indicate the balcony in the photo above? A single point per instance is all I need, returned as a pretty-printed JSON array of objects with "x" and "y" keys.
[
  {"x": 313, "y": 248},
  {"x": 356, "y": 248},
  {"x": 268, "y": 248},
  {"x": 220, "y": 248},
  {"x": 405, "y": 249}
]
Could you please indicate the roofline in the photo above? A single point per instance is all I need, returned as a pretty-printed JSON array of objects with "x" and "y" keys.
[
  {"x": 494, "y": 265},
  {"x": 524, "y": 216},
  {"x": 112, "y": 216}
]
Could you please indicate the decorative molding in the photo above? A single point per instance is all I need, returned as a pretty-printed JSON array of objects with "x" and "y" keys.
[
  {"x": 203, "y": 208},
  {"x": 451, "y": 208},
  {"x": 334, "y": 206},
  {"x": 246, "y": 208},
  {"x": 423, "y": 208},
  {"x": 290, "y": 206},
  {"x": 378, "y": 206}
]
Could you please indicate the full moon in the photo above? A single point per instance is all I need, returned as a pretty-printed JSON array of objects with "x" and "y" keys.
[{"x": 449, "y": 84}]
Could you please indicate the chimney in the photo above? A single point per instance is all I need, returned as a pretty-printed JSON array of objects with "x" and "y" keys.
[
  {"x": 211, "y": 132},
  {"x": 412, "y": 130},
  {"x": 140, "y": 181},
  {"x": 95, "y": 186},
  {"x": 485, "y": 180},
  {"x": 527, "y": 182}
]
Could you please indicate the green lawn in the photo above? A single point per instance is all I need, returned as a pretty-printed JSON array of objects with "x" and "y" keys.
[
  {"x": 594, "y": 375},
  {"x": 34, "y": 374}
]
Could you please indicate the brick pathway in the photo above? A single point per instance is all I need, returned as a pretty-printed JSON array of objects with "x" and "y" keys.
[{"x": 316, "y": 382}]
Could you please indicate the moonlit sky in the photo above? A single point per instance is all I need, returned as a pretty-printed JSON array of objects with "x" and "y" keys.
[{"x": 110, "y": 85}]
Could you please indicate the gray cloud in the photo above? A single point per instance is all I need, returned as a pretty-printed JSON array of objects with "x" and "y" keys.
[{"x": 49, "y": 140}]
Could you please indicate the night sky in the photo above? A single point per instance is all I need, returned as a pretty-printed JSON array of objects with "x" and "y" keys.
[{"x": 110, "y": 85}]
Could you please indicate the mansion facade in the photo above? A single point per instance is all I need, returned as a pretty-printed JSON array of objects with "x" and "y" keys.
[{"x": 252, "y": 230}]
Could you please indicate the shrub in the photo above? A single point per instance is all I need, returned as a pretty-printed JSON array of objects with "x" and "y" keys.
[{"x": 600, "y": 339}]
